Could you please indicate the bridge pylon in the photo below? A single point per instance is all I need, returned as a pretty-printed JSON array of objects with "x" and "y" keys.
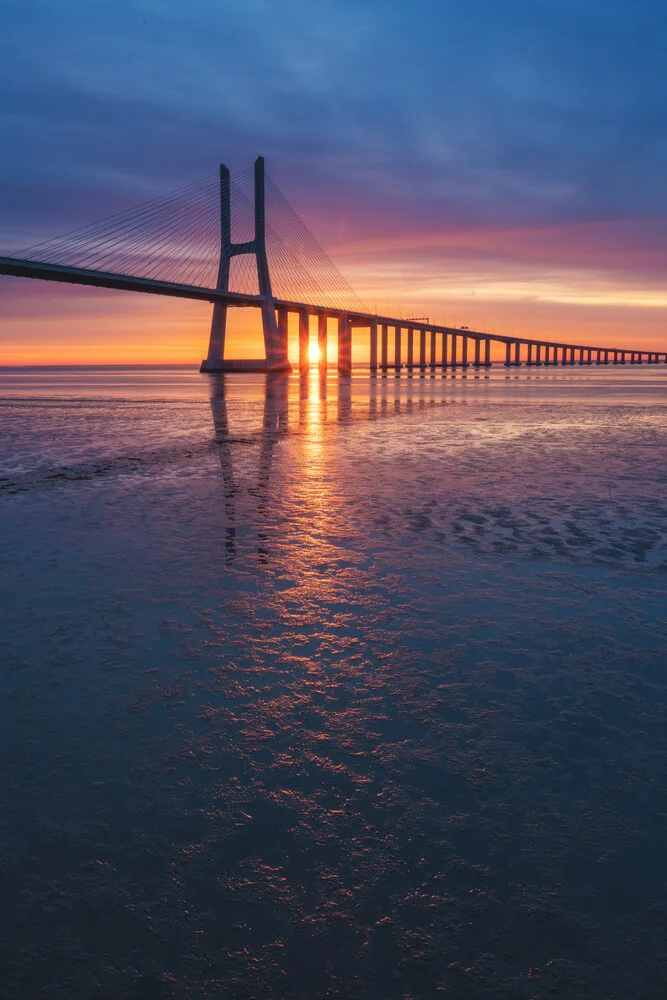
[{"x": 275, "y": 333}]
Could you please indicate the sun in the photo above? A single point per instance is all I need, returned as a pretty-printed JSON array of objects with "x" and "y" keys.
[{"x": 313, "y": 352}]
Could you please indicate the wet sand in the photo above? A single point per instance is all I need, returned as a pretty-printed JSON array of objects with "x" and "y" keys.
[{"x": 333, "y": 688}]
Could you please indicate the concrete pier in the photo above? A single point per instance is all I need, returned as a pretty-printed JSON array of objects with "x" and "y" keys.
[
  {"x": 304, "y": 339},
  {"x": 344, "y": 344},
  {"x": 374, "y": 346}
]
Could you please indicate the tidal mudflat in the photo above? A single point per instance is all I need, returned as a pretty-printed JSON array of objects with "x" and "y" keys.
[{"x": 320, "y": 687}]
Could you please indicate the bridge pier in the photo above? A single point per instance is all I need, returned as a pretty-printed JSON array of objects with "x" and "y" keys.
[
  {"x": 374, "y": 345},
  {"x": 397, "y": 348},
  {"x": 517, "y": 355},
  {"x": 410, "y": 354},
  {"x": 304, "y": 340},
  {"x": 478, "y": 345},
  {"x": 283, "y": 315},
  {"x": 434, "y": 359},
  {"x": 322, "y": 339},
  {"x": 464, "y": 352},
  {"x": 344, "y": 344},
  {"x": 487, "y": 353},
  {"x": 422, "y": 349},
  {"x": 216, "y": 343},
  {"x": 384, "y": 346}
]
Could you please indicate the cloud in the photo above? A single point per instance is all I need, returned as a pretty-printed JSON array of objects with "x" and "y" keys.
[{"x": 475, "y": 109}]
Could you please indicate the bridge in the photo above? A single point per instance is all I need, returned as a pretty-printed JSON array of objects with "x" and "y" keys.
[{"x": 181, "y": 245}]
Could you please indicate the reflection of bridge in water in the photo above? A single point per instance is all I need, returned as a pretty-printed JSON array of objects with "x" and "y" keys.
[
  {"x": 236, "y": 242},
  {"x": 318, "y": 401}
]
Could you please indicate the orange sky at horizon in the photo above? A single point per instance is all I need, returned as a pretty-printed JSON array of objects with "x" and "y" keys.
[{"x": 115, "y": 328}]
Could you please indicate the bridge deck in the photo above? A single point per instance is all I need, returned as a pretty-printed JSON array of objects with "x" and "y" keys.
[{"x": 17, "y": 267}]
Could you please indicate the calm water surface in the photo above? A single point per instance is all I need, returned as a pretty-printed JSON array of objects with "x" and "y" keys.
[{"x": 333, "y": 688}]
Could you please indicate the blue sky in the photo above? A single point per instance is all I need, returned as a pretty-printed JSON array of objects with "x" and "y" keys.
[{"x": 513, "y": 110}]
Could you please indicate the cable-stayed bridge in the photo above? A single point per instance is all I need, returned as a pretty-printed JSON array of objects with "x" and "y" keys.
[{"x": 236, "y": 241}]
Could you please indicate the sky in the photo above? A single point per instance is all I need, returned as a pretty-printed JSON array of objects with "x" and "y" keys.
[{"x": 498, "y": 165}]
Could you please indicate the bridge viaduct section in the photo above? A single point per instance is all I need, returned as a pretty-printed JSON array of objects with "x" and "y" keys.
[
  {"x": 449, "y": 347},
  {"x": 396, "y": 345}
]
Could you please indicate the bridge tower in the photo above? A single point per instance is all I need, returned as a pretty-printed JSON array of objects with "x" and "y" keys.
[{"x": 275, "y": 334}]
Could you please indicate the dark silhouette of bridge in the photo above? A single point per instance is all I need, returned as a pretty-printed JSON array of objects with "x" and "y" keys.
[{"x": 237, "y": 242}]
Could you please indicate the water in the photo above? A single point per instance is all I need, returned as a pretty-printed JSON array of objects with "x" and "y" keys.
[{"x": 319, "y": 688}]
